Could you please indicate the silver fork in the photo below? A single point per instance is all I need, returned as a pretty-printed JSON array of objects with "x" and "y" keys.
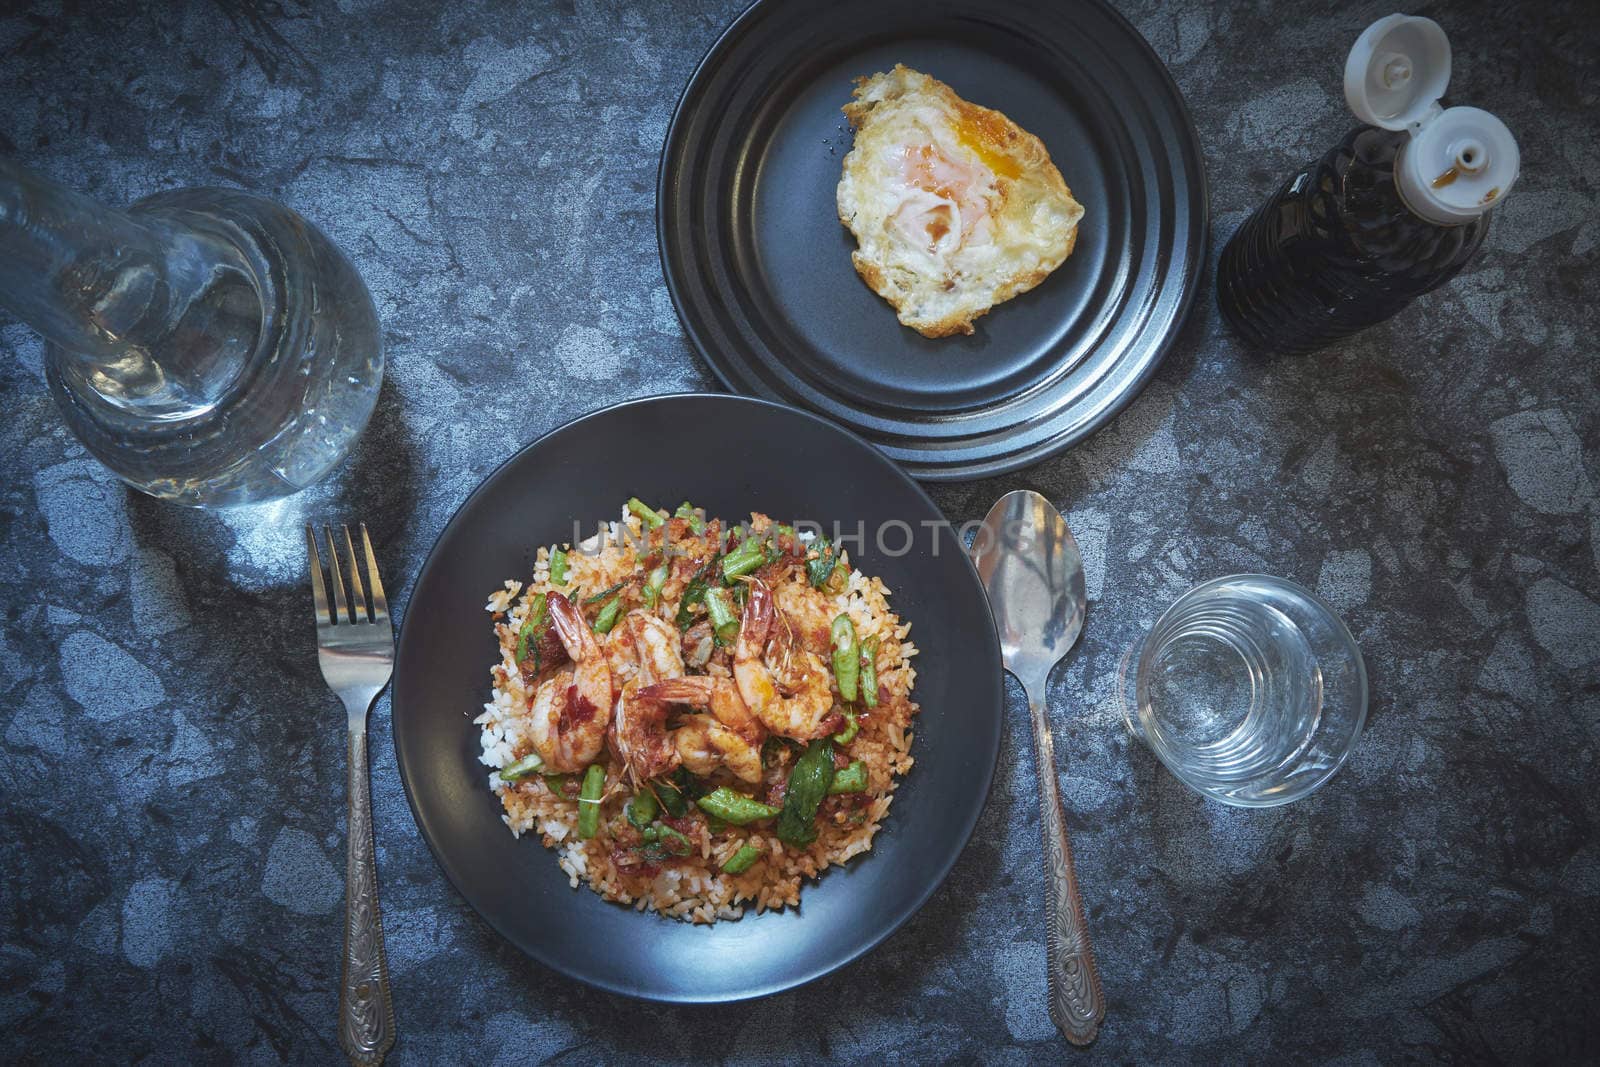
[{"x": 355, "y": 646}]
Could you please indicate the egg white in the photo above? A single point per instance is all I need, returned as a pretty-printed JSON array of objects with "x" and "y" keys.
[{"x": 954, "y": 208}]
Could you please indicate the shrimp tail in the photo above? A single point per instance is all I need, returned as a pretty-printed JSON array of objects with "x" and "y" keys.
[
  {"x": 757, "y": 623},
  {"x": 569, "y": 626}
]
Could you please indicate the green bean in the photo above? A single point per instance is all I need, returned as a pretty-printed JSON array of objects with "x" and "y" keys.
[
  {"x": 853, "y": 779},
  {"x": 558, "y": 567},
  {"x": 869, "y": 672},
  {"x": 741, "y": 860},
  {"x": 852, "y": 726},
  {"x": 602, "y": 594},
  {"x": 522, "y": 768},
  {"x": 653, "y": 584},
  {"x": 670, "y": 799},
  {"x": 594, "y": 783},
  {"x": 697, "y": 525},
  {"x": 647, "y": 515},
  {"x": 808, "y": 784},
  {"x": 723, "y": 621},
  {"x": 846, "y": 657},
  {"x": 743, "y": 560},
  {"x": 538, "y": 615},
  {"x": 735, "y": 808},
  {"x": 675, "y": 842},
  {"x": 607, "y": 618},
  {"x": 642, "y": 810},
  {"x": 820, "y": 569}
]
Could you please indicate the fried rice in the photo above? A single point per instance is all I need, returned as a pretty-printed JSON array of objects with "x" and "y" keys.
[{"x": 694, "y": 887}]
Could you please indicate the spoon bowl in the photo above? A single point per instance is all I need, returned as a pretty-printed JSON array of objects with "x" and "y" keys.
[{"x": 1030, "y": 566}]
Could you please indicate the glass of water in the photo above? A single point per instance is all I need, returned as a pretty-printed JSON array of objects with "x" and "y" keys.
[{"x": 1250, "y": 689}]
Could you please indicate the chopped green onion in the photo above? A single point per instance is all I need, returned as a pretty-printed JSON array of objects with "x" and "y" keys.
[
  {"x": 741, "y": 860},
  {"x": 716, "y": 825},
  {"x": 594, "y": 783},
  {"x": 808, "y": 784},
  {"x": 853, "y": 779},
  {"x": 556, "y": 783},
  {"x": 697, "y": 525},
  {"x": 723, "y": 621},
  {"x": 647, "y": 515},
  {"x": 538, "y": 616},
  {"x": 671, "y": 799},
  {"x": 607, "y": 618},
  {"x": 558, "y": 567},
  {"x": 846, "y": 657},
  {"x": 869, "y": 672},
  {"x": 521, "y": 769},
  {"x": 743, "y": 560},
  {"x": 642, "y": 810},
  {"x": 653, "y": 584},
  {"x": 735, "y": 808},
  {"x": 852, "y": 726},
  {"x": 819, "y": 570}
]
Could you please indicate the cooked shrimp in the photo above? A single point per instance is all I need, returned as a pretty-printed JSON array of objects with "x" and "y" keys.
[
  {"x": 699, "y": 641},
  {"x": 730, "y": 736},
  {"x": 793, "y": 694},
  {"x": 639, "y": 735},
  {"x": 703, "y": 744},
  {"x": 571, "y": 709},
  {"x": 639, "y": 724},
  {"x": 656, "y": 647}
]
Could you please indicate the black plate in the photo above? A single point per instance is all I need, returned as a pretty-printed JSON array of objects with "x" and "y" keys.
[
  {"x": 754, "y": 455},
  {"x": 759, "y": 266}
]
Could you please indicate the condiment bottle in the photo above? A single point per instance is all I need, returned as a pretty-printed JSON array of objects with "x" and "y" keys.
[{"x": 1393, "y": 211}]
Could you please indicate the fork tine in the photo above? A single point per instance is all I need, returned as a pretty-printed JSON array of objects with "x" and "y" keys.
[
  {"x": 319, "y": 592},
  {"x": 358, "y": 598},
  {"x": 341, "y": 611},
  {"x": 380, "y": 606}
]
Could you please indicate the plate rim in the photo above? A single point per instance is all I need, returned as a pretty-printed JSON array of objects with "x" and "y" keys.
[
  {"x": 1029, "y": 456},
  {"x": 858, "y": 949}
]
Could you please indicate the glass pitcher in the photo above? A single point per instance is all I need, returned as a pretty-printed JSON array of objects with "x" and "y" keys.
[{"x": 209, "y": 346}]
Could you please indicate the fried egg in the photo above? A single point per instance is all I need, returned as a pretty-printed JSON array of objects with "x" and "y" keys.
[{"x": 954, "y": 207}]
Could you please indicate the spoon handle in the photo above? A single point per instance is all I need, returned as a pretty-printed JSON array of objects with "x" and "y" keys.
[{"x": 1076, "y": 1004}]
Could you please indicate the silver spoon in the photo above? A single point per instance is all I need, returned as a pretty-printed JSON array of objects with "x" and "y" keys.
[{"x": 1033, "y": 573}]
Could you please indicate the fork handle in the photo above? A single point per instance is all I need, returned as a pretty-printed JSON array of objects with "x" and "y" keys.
[
  {"x": 1076, "y": 1003},
  {"x": 366, "y": 1013}
]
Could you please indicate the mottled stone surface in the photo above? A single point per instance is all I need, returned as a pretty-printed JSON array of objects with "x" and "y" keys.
[{"x": 171, "y": 776}]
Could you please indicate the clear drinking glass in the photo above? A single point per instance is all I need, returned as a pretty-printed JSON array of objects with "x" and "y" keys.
[
  {"x": 209, "y": 346},
  {"x": 1250, "y": 689}
]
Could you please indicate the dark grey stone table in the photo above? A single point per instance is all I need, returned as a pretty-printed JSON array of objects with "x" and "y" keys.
[{"x": 171, "y": 776}]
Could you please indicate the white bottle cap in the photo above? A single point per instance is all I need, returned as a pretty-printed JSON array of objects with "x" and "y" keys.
[{"x": 1461, "y": 161}]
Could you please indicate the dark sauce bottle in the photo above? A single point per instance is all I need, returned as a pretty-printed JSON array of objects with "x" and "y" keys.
[{"x": 1386, "y": 215}]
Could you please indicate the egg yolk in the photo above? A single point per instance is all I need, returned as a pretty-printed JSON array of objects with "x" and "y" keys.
[{"x": 976, "y": 134}]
